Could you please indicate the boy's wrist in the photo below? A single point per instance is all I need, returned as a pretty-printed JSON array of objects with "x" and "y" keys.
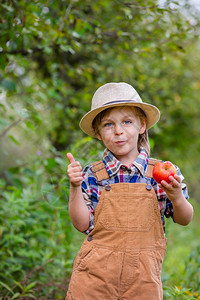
[
  {"x": 178, "y": 200},
  {"x": 75, "y": 186}
]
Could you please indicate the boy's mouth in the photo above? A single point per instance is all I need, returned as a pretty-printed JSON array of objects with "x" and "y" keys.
[{"x": 120, "y": 142}]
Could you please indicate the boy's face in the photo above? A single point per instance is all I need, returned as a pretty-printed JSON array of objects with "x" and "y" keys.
[{"x": 119, "y": 131}]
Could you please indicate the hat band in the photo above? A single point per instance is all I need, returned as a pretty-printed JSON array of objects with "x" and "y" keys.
[{"x": 120, "y": 101}]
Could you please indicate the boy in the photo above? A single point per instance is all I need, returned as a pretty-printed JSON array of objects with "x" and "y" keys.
[{"x": 118, "y": 203}]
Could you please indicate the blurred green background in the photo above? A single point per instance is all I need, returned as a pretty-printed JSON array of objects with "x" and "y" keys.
[{"x": 53, "y": 56}]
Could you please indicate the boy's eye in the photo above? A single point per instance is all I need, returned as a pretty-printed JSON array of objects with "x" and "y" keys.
[
  {"x": 107, "y": 124},
  {"x": 127, "y": 122}
]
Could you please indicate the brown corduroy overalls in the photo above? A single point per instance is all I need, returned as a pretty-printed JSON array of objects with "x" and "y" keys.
[{"x": 122, "y": 257}]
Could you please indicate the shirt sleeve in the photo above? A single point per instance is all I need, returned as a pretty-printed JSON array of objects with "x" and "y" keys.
[{"x": 87, "y": 184}]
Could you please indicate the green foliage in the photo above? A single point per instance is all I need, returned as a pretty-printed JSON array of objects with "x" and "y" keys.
[
  {"x": 53, "y": 56},
  {"x": 181, "y": 268},
  {"x": 35, "y": 231},
  {"x": 192, "y": 268}
]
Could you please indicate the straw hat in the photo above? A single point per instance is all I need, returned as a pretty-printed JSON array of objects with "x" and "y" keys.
[{"x": 117, "y": 94}]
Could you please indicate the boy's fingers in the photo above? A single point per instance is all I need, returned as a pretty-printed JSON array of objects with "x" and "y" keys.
[
  {"x": 178, "y": 178},
  {"x": 70, "y": 158}
]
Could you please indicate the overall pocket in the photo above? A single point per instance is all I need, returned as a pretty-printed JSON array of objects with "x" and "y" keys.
[
  {"x": 127, "y": 212},
  {"x": 83, "y": 256}
]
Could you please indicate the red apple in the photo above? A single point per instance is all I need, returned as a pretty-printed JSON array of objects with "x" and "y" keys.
[{"x": 162, "y": 171}]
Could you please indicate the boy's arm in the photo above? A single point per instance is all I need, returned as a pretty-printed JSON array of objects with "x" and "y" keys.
[
  {"x": 183, "y": 210},
  {"x": 78, "y": 210}
]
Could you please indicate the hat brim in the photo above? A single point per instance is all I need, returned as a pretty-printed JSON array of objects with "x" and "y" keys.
[{"x": 151, "y": 111}]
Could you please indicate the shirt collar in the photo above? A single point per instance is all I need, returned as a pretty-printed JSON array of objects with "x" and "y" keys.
[
  {"x": 141, "y": 162},
  {"x": 113, "y": 164}
]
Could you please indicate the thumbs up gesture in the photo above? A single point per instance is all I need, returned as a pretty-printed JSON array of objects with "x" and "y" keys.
[{"x": 74, "y": 171}]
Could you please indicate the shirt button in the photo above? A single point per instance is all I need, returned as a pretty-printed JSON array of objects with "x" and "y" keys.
[
  {"x": 107, "y": 187},
  {"x": 90, "y": 238},
  {"x": 162, "y": 211}
]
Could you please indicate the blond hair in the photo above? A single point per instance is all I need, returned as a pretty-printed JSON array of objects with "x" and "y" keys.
[{"x": 143, "y": 140}]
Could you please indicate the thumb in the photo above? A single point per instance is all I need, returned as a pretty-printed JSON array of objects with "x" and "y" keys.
[{"x": 70, "y": 158}]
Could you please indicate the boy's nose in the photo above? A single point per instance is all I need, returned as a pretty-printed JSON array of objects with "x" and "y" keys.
[{"x": 118, "y": 129}]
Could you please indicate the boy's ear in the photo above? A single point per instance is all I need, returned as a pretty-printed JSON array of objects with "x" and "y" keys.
[
  {"x": 99, "y": 137},
  {"x": 142, "y": 128}
]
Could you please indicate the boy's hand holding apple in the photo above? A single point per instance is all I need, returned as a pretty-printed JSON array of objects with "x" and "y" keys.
[
  {"x": 166, "y": 175},
  {"x": 163, "y": 170}
]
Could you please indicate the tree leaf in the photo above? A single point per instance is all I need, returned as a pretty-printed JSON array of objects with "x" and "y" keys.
[
  {"x": 6, "y": 286},
  {"x": 14, "y": 140}
]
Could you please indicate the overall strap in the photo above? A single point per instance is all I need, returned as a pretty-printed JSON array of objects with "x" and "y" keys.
[
  {"x": 99, "y": 170},
  {"x": 151, "y": 164}
]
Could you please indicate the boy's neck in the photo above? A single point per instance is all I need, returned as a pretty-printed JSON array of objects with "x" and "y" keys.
[{"x": 127, "y": 161}]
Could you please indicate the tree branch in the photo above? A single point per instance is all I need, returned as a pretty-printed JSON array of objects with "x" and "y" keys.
[
  {"x": 2, "y": 134},
  {"x": 130, "y": 4},
  {"x": 66, "y": 15},
  {"x": 21, "y": 51}
]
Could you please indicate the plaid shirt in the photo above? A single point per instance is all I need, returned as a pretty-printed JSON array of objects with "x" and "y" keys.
[{"x": 120, "y": 173}]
